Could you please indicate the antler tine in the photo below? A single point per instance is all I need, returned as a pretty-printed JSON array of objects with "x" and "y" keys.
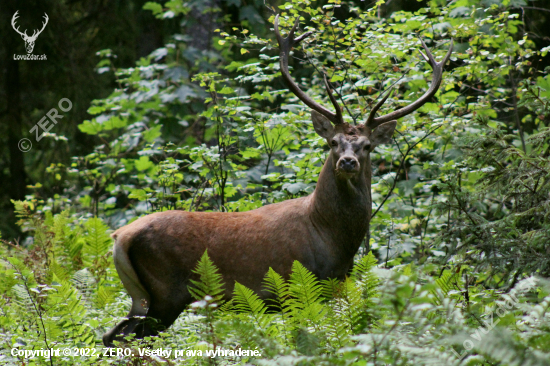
[
  {"x": 339, "y": 116},
  {"x": 13, "y": 19},
  {"x": 436, "y": 81},
  {"x": 377, "y": 106},
  {"x": 291, "y": 33},
  {"x": 429, "y": 57},
  {"x": 44, "y": 23},
  {"x": 285, "y": 46}
]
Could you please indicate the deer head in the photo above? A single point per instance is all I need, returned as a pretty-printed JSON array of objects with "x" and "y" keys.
[
  {"x": 351, "y": 145},
  {"x": 29, "y": 40}
]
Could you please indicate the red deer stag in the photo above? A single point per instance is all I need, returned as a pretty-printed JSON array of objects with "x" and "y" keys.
[{"x": 155, "y": 255}]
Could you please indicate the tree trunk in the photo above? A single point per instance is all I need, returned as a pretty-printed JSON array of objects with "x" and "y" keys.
[{"x": 13, "y": 118}]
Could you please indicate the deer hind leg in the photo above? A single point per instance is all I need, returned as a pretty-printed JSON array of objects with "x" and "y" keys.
[
  {"x": 141, "y": 300},
  {"x": 164, "y": 312}
]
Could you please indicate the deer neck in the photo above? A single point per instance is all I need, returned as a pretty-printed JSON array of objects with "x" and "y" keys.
[{"x": 340, "y": 209}]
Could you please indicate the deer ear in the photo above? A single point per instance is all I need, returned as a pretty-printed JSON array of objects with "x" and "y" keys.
[
  {"x": 382, "y": 134},
  {"x": 322, "y": 125}
]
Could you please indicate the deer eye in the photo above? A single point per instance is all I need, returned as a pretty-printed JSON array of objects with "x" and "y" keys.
[
  {"x": 366, "y": 147},
  {"x": 334, "y": 143}
]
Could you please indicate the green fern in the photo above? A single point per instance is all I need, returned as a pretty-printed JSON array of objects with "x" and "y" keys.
[
  {"x": 364, "y": 276},
  {"x": 210, "y": 283},
  {"x": 105, "y": 295},
  {"x": 226, "y": 307},
  {"x": 69, "y": 240},
  {"x": 245, "y": 300},
  {"x": 97, "y": 240},
  {"x": 349, "y": 311},
  {"x": 357, "y": 306},
  {"x": 84, "y": 282},
  {"x": 331, "y": 288},
  {"x": 353, "y": 303},
  {"x": 364, "y": 267},
  {"x": 58, "y": 270},
  {"x": 307, "y": 343},
  {"x": 305, "y": 303},
  {"x": 304, "y": 286},
  {"x": 446, "y": 282},
  {"x": 338, "y": 326},
  {"x": 69, "y": 308},
  {"x": 275, "y": 284},
  {"x": 76, "y": 244},
  {"x": 22, "y": 298}
]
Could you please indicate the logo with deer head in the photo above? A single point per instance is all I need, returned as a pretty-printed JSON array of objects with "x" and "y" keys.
[{"x": 29, "y": 40}]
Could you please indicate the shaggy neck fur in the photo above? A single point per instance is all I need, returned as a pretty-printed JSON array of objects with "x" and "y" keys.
[{"x": 341, "y": 208}]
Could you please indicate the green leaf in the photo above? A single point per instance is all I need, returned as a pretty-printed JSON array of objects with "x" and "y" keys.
[
  {"x": 294, "y": 188},
  {"x": 226, "y": 90},
  {"x": 96, "y": 110},
  {"x": 143, "y": 163},
  {"x": 90, "y": 127},
  {"x": 151, "y": 134},
  {"x": 155, "y": 8}
]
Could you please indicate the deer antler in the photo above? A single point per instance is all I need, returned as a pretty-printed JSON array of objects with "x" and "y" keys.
[
  {"x": 285, "y": 46},
  {"x": 35, "y": 33},
  {"x": 43, "y": 26},
  {"x": 13, "y": 19},
  {"x": 437, "y": 67}
]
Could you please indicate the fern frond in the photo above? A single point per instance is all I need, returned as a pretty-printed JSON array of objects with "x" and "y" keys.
[
  {"x": 307, "y": 343},
  {"x": 504, "y": 349},
  {"x": 60, "y": 225},
  {"x": 305, "y": 302},
  {"x": 76, "y": 245},
  {"x": 447, "y": 282},
  {"x": 105, "y": 296},
  {"x": 337, "y": 329},
  {"x": 245, "y": 300},
  {"x": 311, "y": 315},
  {"x": 304, "y": 286},
  {"x": 84, "y": 282},
  {"x": 275, "y": 284},
  {"x": 210, "y": 283},
  {"x": 357, "y": 298},
  {"x": 97, "y": 240},
  {"x": 331, "y": 288},
  {"x": 226, "y": 307},
  {"x": 58, "y": 270},
  {"x": 346, "y": 314},
  {"x": 364, "y": 266},
  {"x": 23, "y": 298}
]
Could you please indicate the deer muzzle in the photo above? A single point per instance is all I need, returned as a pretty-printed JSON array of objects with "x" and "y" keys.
[{"x": 348, "y": 164}]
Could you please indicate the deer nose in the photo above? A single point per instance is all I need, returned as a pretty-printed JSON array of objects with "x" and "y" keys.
[{"x": 348, "y": 164}]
